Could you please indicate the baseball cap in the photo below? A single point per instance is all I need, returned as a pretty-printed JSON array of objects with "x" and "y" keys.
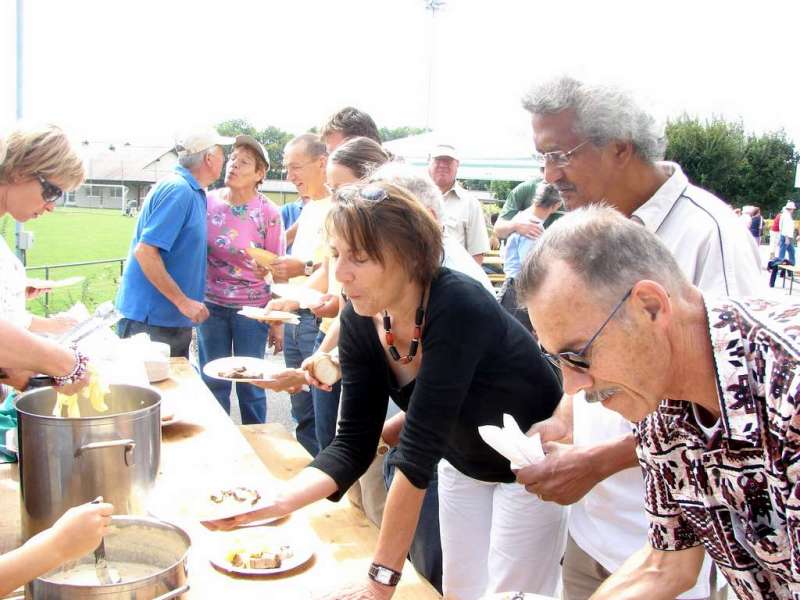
[
  {"x": 444, "y": 150},
  {"x": 254, "y": 145},
  {"x": 197, "y": 140},
  {"x": 790, "y": 205}
]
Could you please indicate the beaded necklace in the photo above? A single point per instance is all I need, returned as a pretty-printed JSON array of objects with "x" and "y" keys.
[{"x": 412, "y": 350}]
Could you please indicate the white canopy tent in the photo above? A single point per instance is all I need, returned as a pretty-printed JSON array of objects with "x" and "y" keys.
[{"x": 492, "y": 155}]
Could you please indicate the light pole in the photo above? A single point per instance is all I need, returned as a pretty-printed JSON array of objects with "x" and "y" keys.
[
  {"x": 433, "y": 6},
  {"x": 18, "y": 226}
]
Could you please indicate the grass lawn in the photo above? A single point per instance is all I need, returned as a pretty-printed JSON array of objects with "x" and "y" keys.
[{"x": 76, "y": 235}]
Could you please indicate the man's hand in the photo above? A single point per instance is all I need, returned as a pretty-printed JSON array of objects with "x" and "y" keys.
[
  {"x": 327, "y": 308},
  {"x": 284, "y": 304},
  {"x": 531, "y": 229},
  {"x": 287, "y": 267},
  {"x": 564, "y": 475},
  {"x": 275, "y": 337},
  {"x": 368, "y": 590},
  {"x": 193, "y": 310},
  {"x": 290, "y": 380},
  {"x": 34, "y": 292}
]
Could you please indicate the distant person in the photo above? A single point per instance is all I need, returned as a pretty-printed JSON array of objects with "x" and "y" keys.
[
  {"x": 74, "y": 535},
  {"x": 546, "y": 201},
  {"x": 520, "y": 198},
  {"x": 163, "y": 285},
  {"x": 756, "y": 224},
  {"x": 775, "y": 235},
  {"x": 787, "y": 231},
  {"x": 463, "y": 215},
  {"x": 347, "y": 123},
  {"x": 239, "y": 217}
]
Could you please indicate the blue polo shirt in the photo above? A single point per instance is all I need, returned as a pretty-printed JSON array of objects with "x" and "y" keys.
[
  {"x": 289, "y": 214},
  {"x": 173, "y": 219}
]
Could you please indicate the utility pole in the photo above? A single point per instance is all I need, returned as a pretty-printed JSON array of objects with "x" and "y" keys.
[
  {"x": 433, "y": 6},
  {"x": 18, "y": 227}
]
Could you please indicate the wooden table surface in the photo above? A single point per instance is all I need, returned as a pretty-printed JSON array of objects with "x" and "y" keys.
[{"x": 205, "y": 449}]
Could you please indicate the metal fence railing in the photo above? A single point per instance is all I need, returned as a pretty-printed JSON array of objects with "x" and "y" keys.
[{"x": 100, "y": 284}]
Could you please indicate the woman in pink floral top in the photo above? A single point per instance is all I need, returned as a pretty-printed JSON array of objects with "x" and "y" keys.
[{"x": 238, "y": 217}]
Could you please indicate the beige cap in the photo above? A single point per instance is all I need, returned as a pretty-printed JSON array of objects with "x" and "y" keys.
[
  {"x": 253, "y": 144},
  {"x": 790, "y": 205},
  {"x": 444, "y": 150},
  {"x": 192, "y": 142}
]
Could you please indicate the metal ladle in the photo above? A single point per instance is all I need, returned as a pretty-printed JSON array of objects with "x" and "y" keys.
[{"x": 105, "y": 574}]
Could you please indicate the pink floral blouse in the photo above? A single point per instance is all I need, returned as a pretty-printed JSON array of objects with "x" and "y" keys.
[{"x": 230, "y": 280}]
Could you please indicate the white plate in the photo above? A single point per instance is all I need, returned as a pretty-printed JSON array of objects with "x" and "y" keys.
[
  {"x": 303, "y": 551},
  {"x": 51, "y": 284},
  {"x": 262, "y": 314},
  {"x": 195, "y": 504},
  {"x": 306, "y": 296},
  {"x": 213, "y": 368}
]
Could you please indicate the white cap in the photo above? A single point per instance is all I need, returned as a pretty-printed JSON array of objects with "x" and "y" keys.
[
  {"x": 191, "y": 142},
  {"x": 790, "y": 205},
  {"x": 444, "y": 150}
]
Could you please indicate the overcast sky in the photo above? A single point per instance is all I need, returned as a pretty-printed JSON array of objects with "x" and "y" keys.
[{"x": 136, "y": 71}]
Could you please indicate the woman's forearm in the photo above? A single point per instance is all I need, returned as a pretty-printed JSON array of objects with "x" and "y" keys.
[
  {"x": 308, "y": 486},
  {"x": 400, "y": 517},
  {"x": 21, "y": 349}
]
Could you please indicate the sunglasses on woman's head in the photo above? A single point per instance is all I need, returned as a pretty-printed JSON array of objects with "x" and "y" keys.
[
  {"x": 370, "y": 193},
  {"x": 50, "y": 191}
]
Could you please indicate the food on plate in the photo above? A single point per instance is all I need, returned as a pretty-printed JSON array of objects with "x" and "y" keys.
[
  {"x": 263, "y": 557},
  {"x": 263, "y": 257},
  {"x": 238, "y": 494},
  {"x": 240, "y": 373}
]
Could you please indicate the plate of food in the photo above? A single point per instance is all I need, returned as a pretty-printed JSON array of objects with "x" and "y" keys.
[
  {"x": 51, "y": 284},
  {"x": 205, "y": 503},
  {"x": 264, "y": 314},
  {"x": 240, "y": 368},
  {"x": 305, "y": 296},
  {"x": 263, "y": 257},
  {"x": 263, "y": 554}
]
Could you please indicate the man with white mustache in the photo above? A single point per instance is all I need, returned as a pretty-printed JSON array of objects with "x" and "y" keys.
[{"x": 597, "y": 144}]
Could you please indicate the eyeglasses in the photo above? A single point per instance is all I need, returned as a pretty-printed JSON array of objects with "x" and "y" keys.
[
  {"x": 294, "y": 168},
  {"x": 578, "y": 360},
  {"x": 558, "y": 158},
  {"x": 370, "y": 193},
  {"x": 50, "y": 192}
]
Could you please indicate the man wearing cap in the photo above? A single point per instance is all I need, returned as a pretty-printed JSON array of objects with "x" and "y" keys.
[
  {"x": 787, "y": 232},
  {"x": 162, "y": 288},
  {"x": 463, "y": 216}
]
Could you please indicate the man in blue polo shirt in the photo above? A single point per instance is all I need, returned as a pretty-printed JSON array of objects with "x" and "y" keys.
[{"x": 164, "y": 280}]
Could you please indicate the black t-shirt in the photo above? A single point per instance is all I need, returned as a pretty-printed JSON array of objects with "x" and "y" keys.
[{"x": 478, "y": 362}]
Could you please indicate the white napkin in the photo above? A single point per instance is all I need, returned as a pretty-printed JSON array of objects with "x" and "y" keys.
[{"x": 509, "y": 441}]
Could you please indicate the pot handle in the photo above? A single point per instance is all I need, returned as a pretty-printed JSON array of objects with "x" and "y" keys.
[
  {"x": 174, "y": 593},
  {"x": 128, "y": 444}
]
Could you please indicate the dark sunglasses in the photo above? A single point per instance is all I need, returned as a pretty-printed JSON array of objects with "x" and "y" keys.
[
  {"x": 578, "y": 360},
  {"x": 50, "y": 192},
  {"x": 370, "y": 193}
]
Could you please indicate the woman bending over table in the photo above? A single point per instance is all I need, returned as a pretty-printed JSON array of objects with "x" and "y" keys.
[{"x": 448, "y": 354}]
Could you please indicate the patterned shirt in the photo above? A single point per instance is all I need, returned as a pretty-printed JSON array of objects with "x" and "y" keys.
[
  {"x": 735, "y": 491},
  {"x": 230, "y": 278}
]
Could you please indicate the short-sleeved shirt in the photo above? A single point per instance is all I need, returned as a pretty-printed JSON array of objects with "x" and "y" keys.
[
  {"x": 518, "y": 246},
  {"x": 520, "y": 198},
  {"x": 464, "y": 220},
  {"x": 290, "y": 212},
  {"x": 173, "y": 219},
  {"x": 469, "y": 376},
  {"x": 230, "y": 279},
  {"x": 737, "y": 491},
  {"x": 309, "y": 241}
]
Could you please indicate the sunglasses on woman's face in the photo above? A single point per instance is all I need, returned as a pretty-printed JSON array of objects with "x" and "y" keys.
[{"x": 50, "y": 192}]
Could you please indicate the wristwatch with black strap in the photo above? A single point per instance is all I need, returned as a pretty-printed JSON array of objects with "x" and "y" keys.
[
  {"x": 309, "y": 267},
  {"x": 384, "y": 575}
]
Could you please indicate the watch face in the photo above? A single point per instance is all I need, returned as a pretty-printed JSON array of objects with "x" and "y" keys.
[{"x": 383, "y": 576}]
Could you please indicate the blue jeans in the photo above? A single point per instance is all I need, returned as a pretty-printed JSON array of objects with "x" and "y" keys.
[
  {"x": 426, "y": 547},
  {"x": 786, "y": 247},
  {"x": 298, "y": 345},
  {"x": 226, "y": 333},
  {"x": 177, "y": 338},
  {"x": 326, "y": 407}
]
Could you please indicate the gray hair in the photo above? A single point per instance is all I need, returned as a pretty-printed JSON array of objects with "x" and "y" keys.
[
  {"x": 415, "y": 181},
  {"x": 547, "y": 196},
  {"x": 313, "y": 145},
  {"x": 604, "y": 113},
  {"x": 192, "y": 161},
  {"x": 606, "y": 250}
]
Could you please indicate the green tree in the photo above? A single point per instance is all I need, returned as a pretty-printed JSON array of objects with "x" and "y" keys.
[
  {"x": 768, "y": 173},
  {"x": 711, "y": 154},
  {"x": 388, "y": 134},
  {"x": 273, "y": 138}
]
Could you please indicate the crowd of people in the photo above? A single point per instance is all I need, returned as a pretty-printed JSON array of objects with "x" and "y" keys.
[{"x": 631, "y": 335}]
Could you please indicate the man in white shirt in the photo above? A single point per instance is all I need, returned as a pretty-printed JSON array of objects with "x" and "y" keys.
[
  {"x": 597, "y": 144},
  {"x": 787, "y": 233},
  {"x": 463, "y": 215}
]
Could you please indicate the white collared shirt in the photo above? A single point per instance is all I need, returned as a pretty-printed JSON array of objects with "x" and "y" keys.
[
  {"x": 720, "y": 257},
  {"x": 464, "y": 221}
]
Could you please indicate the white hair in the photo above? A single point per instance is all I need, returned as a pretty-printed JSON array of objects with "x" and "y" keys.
[
  {"x": 192, "y": 161},
  {"x": 415, "y": 181}
]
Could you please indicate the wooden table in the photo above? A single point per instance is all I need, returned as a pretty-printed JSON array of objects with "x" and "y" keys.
[
  {"x": 204, "y": 448},
  {"x": 791, "y": 271}
]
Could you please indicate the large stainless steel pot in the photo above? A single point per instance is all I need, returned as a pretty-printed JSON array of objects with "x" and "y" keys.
[
  {"x": 64, "y": 462},
  {"x": 160, "y": 547}
]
